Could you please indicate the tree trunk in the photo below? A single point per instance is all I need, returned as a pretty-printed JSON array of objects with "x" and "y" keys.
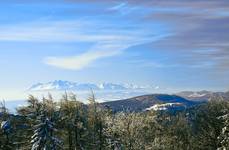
[{"x": 70, "y": 139}]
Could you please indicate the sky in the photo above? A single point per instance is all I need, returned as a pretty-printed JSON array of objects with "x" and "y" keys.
[{"x": 175, "y": 45}]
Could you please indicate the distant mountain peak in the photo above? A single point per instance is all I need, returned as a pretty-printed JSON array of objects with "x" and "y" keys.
[
  {"x": 68, "y": 85},
  {"x": 203, "y": 95}
]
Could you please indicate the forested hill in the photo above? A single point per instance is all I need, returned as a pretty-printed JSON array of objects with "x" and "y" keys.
[{"x": 145, "y": 102}]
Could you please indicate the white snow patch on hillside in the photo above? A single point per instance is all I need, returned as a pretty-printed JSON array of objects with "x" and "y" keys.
[{"x": 165, "y": 106}]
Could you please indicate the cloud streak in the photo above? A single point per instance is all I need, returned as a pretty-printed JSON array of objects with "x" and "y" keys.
[
  {"x": 79, "y": 62},
  {"x": 107, "y": 39},
  {"x": 58, "y": 31}
]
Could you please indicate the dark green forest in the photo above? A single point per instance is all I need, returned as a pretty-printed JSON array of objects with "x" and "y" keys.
[{"x": 49, "y": 124}]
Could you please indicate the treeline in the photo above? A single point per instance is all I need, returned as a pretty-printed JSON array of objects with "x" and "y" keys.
[{"x": 69, "y": 124}]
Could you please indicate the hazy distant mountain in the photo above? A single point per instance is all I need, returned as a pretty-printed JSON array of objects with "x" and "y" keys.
[
  {"x": 147, "y": 102},
  {"x": 204, "y": 95},
  {"x": 62, "y": 85},
  {"x": 67, "y": 85}
]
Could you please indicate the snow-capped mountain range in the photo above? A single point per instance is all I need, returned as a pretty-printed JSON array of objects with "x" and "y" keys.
[
  {"x": 204, "y": 95},
  {"x": 67, "y": 85}
]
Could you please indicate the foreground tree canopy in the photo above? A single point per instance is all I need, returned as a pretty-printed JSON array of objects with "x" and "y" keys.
[{"x": 48, "y": 124}]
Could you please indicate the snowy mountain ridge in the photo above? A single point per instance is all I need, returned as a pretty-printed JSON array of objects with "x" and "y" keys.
[{"x": 67, "y": 85}]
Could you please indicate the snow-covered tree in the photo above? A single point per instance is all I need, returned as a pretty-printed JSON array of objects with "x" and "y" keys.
[
  {"x": 5, "y": 128},
  {"x": 125, "y": 131},
  {"x": 224, "y": 135},
  {"x": 43, "y": 138}
]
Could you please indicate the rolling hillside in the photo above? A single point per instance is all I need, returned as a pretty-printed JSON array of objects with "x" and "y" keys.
[{"x": 145, "y": 102}]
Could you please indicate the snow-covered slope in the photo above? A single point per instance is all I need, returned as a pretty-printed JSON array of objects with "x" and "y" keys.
[
  {"x": 204, "y": 95},
  {"x": 194, "y": 93},
  {"x": 165, "y": 106},
  {"x": 67, "y": 85}
]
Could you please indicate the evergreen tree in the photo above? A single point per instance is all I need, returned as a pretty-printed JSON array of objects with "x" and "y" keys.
[
  {"x": 223, "y": 138},
  {"x": 224, "y": 135},
  {"x": 72, "y": 121},
  {"x": 26, "y": 120},
  {"x": 43, "y": 138},
  {"x": 207, "y": 127},
  {"x": 6, "y": 141},
  {"x": 95, "y": 124}
]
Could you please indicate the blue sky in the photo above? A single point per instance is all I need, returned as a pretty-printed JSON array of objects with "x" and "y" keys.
[{"x": 176, "y": 45}]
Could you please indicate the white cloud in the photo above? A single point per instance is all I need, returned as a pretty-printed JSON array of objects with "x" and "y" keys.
[
  {"x": 124, "y": 8},
  {"x": 119, "y": 6},
  {"x": 66, "y": 31},
  {"x": 156, "y": 87},
  {"x": 108, "y": 39},
  {"x": 81, "y": 61}
]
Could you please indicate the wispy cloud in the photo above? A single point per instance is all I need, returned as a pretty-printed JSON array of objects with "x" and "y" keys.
[
  {"x": 58, "y": 31},
  {"x": 81, "y": 61},
  {"x": 124, "y": 8},
  {"x": 107, "y": 39},
  {"x": 194, "y": 25},
  {"x": 119, "y": 6}
]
